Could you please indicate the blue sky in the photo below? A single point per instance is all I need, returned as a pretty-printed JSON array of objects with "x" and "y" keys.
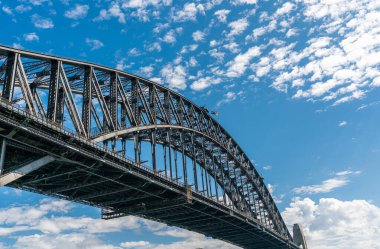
[{"x": 296, "y": 83}]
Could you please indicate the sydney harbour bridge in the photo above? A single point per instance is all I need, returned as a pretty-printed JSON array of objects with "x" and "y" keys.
[{"x": 129, "y": 146}]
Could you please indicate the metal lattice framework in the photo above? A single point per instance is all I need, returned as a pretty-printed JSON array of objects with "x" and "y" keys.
[{"x": 121, "y": 114}]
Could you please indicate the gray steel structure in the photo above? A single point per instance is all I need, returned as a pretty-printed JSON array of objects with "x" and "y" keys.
[{"x": 67, "y": 128}]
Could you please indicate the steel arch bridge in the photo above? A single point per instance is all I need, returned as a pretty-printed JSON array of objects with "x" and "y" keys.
[{"x": 102, "y": 137}]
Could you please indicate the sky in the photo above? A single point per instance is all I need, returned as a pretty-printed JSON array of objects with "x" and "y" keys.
[{"x": 296, "y": 83}]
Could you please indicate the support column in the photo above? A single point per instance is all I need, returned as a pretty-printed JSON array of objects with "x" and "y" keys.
[
  {"x": 170, "y": 155},
  {"x": 224, "y": 189},
  {"x": 10, "y": 73},
  {"x": 60, "y": 105},
  {"x": 135, "y": 102},
  {"x": 137, "y": 148},
  {"x": 153, "y": 144},
  {"x": 183, "y": 159},
  {"x": 165, "y": 159},
  {"x": 53, "y": 91},
  {"x": 113, "y": 98},
  {"x": 215, "y": 175},
  {"x": 87, "y": 99},
  {"x": 194, "y": 163}
]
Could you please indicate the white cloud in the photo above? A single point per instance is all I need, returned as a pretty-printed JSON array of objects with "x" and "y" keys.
[
  {"x": 239, "y": 2},
  {"x": 291, "y": 32},
  {"x": 134, "y": 244},
  {"x": 44, "y": 225},
  {"x": 229, "y": 97},
  {"x": 142, "y": 4},
  {"x": 42, "y": 23},
  {"x": 205, "y": 82},
  {"x": 335, "y": 224},
  {"x": 219, "y": 56},
  {"x": 22, "y": 8},
  {"x": 146, "y": 71},
  {"x": 169, "y": 37},
  {"x": 193, "y": 62},
  {"x": 272, "y": 189},
  {"x": 240, "y": 63},
  {"x": 198, "y": 36},
  {"x": 267, "y": 167},
  {"x": 340, "y": 60},
  {"x": 233, "y": 47},
  {"x": 113, "y": 11},
  {"x": 188, "y": 13},
  {"x": 17, "y": 45},
  {"x": 238, "y": 27},
  {"x": 222, "y": 15},
  {"x": 134, "y": 52},
  {"x": 342, "y": 123},
  {"x": 7, "y": 10},
  {"x": 31, "y": 37},
  {"x": 285, "y": 8},
  {"x": 189, "y": 48},
  {"x": 155, "y": 46},
  {"x": 94, "y": 44},
  {"x": 174, "y": 76},
  {"x": 339, "y": 180},
  {"x": 40, "y": 2},
  {"x": 78, "y": 12}
]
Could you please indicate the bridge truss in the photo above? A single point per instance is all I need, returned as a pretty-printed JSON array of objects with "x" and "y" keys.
[{"x": 113, "y": 140}]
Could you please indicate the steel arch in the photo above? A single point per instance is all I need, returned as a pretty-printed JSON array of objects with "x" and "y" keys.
[{"x": 112, "y": 107}]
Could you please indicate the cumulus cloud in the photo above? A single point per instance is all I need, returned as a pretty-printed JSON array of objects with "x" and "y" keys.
[
  {"x": 340, "y": 59},
  {"x": 42, "y": 23},
  {"x": 174, "y": 76},
  {"x": 134, "y": 244},
  {"x": 331, "y": 223},
  {"x": 205, "y": 82},
  {"x": 240, "y": 63},
  {"x": 47, "y": 225},
  {"x": 169, "y": 37},
  {"x": 238, "y": 27},
  {"x": 222, "y": 15},
  {"x": 239, "y": 2},
  {"x": 188, "y": 13},
  {"x": 113, "y": 11},
  {"x": 198, "y": 36},
  {"x": 78, "y": 12}
]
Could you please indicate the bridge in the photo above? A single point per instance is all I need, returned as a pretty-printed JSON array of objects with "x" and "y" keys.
[{"x": 129, "y": 146}]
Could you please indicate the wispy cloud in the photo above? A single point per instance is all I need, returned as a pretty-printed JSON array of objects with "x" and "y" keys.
[
  {"x": 42, "y": 23},
  {"x": 342, "y": 123},
  {"x": 339, "y": 180},
  {"x": 94, "y": 44},
  {"x": 31, "y": 37}
]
